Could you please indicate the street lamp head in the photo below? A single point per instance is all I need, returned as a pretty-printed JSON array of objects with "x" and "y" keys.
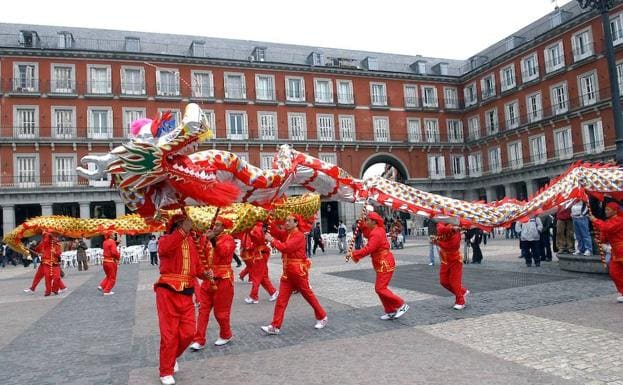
[{"x": 601, "y": 5}]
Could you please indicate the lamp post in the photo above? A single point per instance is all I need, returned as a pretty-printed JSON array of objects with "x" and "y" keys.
[{"x": 603, "y": 6}]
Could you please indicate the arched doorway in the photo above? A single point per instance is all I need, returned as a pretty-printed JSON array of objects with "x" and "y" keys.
[{"x": 385, "y": 165}]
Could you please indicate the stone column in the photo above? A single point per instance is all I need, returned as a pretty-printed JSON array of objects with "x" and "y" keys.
[
  {"x": 8, "y": 218},
  {"x": 120, "y": 211},
  {"x": 510, "y": 190},
  {"x": 85, "y": 213},
  {"x": 46, "y": 209},
  {"x": 530, "y": 187},
  {"x": 491, "y": 194}
]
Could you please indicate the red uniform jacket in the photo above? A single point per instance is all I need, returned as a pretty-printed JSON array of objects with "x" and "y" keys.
[
  {"x": 220, "y": 255},
  {"x": 260, "y": 249},
  {"x": 111, "y": 253},
  {"x": 50, "y": 251},
  {"x": 449, "y": 241},
  {"x": 179, "y": 261},
  {"x": 612, "y": 232},
  {"x": 247, "y": 245},
  {"x": 378, "y": 249},
  {"x": 291, "y": 244}
]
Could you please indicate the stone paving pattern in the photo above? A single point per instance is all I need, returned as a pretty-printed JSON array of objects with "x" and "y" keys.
[{"x": 522, "y": 326}]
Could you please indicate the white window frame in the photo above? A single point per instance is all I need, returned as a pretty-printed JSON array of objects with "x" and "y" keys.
[
  {"x": 18, "y": 130},
  {"x": 66, "y": 178},
  {"x": 63, "y": 86},
  {"x": 289, "y": 95},
  {"x": 90, "y": 123},
  {"x": 487, "y": 86},
  {"x": 471, "y": 97},
  {"x": 515, "y": 154},
  {"x": 529, "y": 72},
  {"x": 508, "y": 82},
  {"x": 473, "y": 125},
  {"x": 431, "y": 130},
  {"x": 244, "y": 121},
  {"x": 429, "y": 100},
  {"x": 380, "y": 126},
  {"x": 414, "y": 130},
  {"x": 267, "y": 125},
  {"x": 619, "y": 66},
  {"x": 534, "y": 107},
  {"x": 559, "y": 98},
  {"x": 211, "y": 118},
  {"x": 587, "y": 95},
  {"x": 129, "y": 86},
  {"x": 328, "y": 158},
  {"x": 616, "y": 28},
  {"x": 455, "y": 130},
  {"x": 298, "y": 119},
  {"x": 266, "y": 160},
  {"x": 436, "y": 166},
  {"x": 31, "y": 80},
  {"x": 319, "y": 96},
  {"x": 474, "y": 164},
  {"x": 538, "y": 149},
  {"x": 347, "y": 128},
  {"x": 563, "y": 150},
  {"x": 492, "y": 125},
  {"x": 378, "y": 94},
  {"x": 495, "y": 160},
  {"x": 349, "y": 97},
  {"x": 198, "y": 88},
  {"x": 550, "y": 64},
  {"x": 265, "y": 95},
  {"x": 55, "y": 123},
  {"x": 582, "y": 43},
  {"x": 511, "y": 115},
  {"x": 169, "y": 89},
  {"x": 141, "y": 112},
  {"x": 593, "y": 146},
  {"x": 451, "y": 97},
  {"x": 458, "y": 166},
  {"x": 243, "y": 156},
  {"x": 232, "y": 91},
  {"x": 325, "y": 127},
  {"x": 411, "y": 97},
  {"x": 93, "y": 86},
  {"x": 33, "y": 177}
]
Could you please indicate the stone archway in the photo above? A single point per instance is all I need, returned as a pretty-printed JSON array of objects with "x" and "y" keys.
[{"x": 401, "y": 171}]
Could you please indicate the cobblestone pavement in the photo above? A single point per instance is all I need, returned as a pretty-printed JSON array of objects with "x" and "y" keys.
[{"x": 521, "y": 326}]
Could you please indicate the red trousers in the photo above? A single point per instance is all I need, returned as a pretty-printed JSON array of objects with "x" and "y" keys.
[
  {"x": 176, "y": 318},
  {"x": 52, "y": 275},
  {"x": 450, "y": 277},
  {"x": 391, "y": 302},
  {"x": 616, "y": 274},
  {"x": 110, "y": 269},
  {"x": 220, "y": 300},
  {"x": 286, "y": 286},
  {"x": 37, "y": 278},
  {"x": 248, "y": 266},
  {"x": 259, "y": 276}
]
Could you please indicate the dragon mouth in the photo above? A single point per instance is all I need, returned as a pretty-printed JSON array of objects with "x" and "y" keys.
[{"x": 182, "y": 169}]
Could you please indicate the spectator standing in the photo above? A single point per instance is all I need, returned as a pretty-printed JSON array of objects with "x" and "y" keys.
[
  {"x": 579, "y": 215},
  {"x": 529, "y": 238},
  {"x": 341, "y": 237},
  {"x": 433, "y": 249},
  {"x": 317, "y": 236},
  {"x": 544, "y": 243},
  {"x": 564, "y": 231},
  {"x": 81, "y": 255},
  {"x": 152, "y": 247},
  {"x": 474, "y": 237}
]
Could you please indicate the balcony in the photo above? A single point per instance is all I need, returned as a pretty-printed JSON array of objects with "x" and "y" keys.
[
  {"x": 133, "y": 89},
  {"x": 236, "y": 95},
  {"x": 345, "y": 99},
  {"x": 62, "y": 88},
  {"x": 24, "y": 86},
  {"x": 34, "y": 181}
]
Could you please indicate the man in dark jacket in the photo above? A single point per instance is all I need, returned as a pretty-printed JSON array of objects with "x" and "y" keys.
[
  {"x": 474, "y": 237},
  {"x": 546, "y": 248},
  {"x": 317, "y": 236}
]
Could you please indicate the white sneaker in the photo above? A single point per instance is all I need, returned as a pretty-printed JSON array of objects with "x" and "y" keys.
[
  {"x": 577, "y": 252},
  {"x": 100, "y": 288},
  {"x": 270, "y": 329},
  {"x": 176, "y": 367},
  {"x": 587, "y": 253},
  {"x": 196, "y": 346},
  {"x": 431, "y": 264},
  {"x": 29, "y": 291},
  {"x": 458, "y": 307},
  {"x": 274, "y": 296},
  {"x": 403, "y": 309},
  {"x": 62, "y": 290},
  {"x": 250, "y": 300},
  {"x": 167, "y": 380},
  {"x": 109, "y": 293},
  {"x": 467, "y": 292},
  {"x": 321, "y": 323},
  {"x": 388, "y": 316},
  {"x": 620, "y": 299},
  {"x": 222, "y": 341}
]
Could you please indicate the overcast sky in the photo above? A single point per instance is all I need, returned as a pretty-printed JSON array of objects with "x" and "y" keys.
[{"x": 451, "y": 29}]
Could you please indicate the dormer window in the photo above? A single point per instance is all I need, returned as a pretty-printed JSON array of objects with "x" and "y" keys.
[
  {"x": 419, "y": 67},
  {"x": 316, "y": 59},
  {"x": 29, "y": 39},
  {"x": 65, "y": 40},
  {"x": 259, "y": 54},
  {"x": 132, "y": 44},
  {"x": 197, "y": 48}
]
